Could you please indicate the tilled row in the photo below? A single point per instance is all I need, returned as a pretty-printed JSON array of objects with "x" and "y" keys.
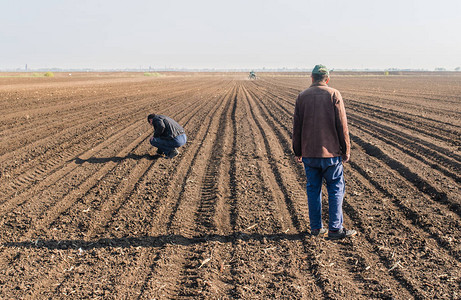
[
  {"x": 268, "y": 247},
  {"x": 436, "y": 157},
  {"x": 434, "y": 129}
]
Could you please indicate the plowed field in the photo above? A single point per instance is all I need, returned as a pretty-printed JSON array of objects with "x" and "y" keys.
[{"x": 89, "y": 211}]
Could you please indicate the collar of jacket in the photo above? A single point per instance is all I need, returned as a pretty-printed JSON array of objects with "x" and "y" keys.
[{"x": 319, "y": 84}]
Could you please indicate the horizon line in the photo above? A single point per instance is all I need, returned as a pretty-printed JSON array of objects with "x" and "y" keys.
[{"x": 263, "y": 69}]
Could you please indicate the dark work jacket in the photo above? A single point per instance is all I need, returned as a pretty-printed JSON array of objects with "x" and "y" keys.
[
  {"x": 165, "y": 127},
  {"x": 320, "y": 124}
]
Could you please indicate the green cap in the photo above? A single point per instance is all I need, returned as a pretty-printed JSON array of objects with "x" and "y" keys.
[{"x": 320, "y": 69}]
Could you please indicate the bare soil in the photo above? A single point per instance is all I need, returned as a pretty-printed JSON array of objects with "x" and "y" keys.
[{"x": 88, "y": 210}]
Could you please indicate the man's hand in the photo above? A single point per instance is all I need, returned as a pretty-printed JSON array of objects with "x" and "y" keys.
[
  {"x": 346, "y": 157},
  {"x": 299, "y": 159}
]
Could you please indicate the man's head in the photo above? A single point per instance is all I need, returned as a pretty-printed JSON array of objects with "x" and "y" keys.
[
  {"x": 320, "y": 73},
  {"x": 150, "y": 118}
]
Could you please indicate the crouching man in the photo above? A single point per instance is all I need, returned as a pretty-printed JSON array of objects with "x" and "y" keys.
[{"x": 168, "y": 135}]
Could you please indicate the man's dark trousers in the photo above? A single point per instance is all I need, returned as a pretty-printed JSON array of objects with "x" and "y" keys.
[{"x": 166, "y": 145}]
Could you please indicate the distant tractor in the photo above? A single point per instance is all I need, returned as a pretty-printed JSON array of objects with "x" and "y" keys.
[{"x": 252, "y": 75}]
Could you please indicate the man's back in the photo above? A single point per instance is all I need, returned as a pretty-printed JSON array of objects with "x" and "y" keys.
[
  {"x": 166, "y": 127},
  {"x": 320, "y": 124}
]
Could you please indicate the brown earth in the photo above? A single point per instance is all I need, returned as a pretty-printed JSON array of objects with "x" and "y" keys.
[{"x": 89, "y": 211}]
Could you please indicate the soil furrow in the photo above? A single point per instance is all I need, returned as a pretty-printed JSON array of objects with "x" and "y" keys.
[
  {"x": 216, "y": 274},
  {"x": 279, "y": 176},
  {"x": 425, "y": 218},
  {"x": 425, "y": 155},
  {"x": 66, "y": 171},
  {"x": 441, "y": 154},
  {"x": 180, "y": 222},
  {"x": 252, "y": 218},
  {"x": 394, "y": 238},
  {"x": 195, "y": 280},
  {"x": 447, "y": 195},
  {"x": 429, "y": 127}
]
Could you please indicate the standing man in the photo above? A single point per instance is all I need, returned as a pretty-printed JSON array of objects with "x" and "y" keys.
[
  {"x": 321, "y": 142},
  {"x": 168, "y": 135}
]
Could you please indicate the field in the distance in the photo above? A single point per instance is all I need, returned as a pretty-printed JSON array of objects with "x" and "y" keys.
[{"x": 87, "y": 210}]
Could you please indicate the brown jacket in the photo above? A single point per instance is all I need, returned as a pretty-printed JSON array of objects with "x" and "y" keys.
[{"x": 320, "y": 123}]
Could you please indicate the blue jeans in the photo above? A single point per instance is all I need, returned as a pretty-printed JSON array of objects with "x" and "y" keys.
[
  {"x": 330, "y": 169},
  {"x": 166, "y": 145}
]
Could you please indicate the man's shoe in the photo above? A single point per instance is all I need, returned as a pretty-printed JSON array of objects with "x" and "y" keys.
[
  {"x": 173, "y": 153},
  {"x": 160, "y": 152},
  {"x": 319, "y": 232},
  {"x": 341, "y": 234}
]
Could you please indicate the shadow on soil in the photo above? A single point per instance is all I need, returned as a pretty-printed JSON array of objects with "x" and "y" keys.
[
  {"x": 149, "y": 241},
  {"x": 102, "y": 160}
]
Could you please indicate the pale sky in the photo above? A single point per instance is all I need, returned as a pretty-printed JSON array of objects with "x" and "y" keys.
[{"x": 341, "y": 34}]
